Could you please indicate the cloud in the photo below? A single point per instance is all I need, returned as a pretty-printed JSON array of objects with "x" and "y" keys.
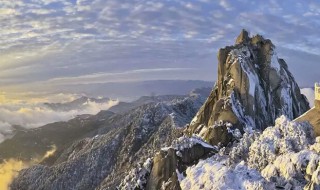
[
  {"x": 50, "y": 153},
  {"x": 41, "y": 11},
  {"x": 33, "y": 113},
  {"x": 78, "y": 38},
  {"x": 10, "y": 168},
  {"x": 5, "y": 130},
  {"x": 126, "y": 76},
  {"x": 226, "y": 5},
  {"x": 8, "y": 12}
]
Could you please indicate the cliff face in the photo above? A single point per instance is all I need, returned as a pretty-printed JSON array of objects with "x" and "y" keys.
[{"x": 254, "y": 87}]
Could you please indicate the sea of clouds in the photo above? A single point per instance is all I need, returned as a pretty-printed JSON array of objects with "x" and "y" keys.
[{"x": 33, "y": 113}]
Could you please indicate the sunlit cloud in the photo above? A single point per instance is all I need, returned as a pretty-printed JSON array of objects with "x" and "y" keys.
[
  {"x": 10, "y": 168},
  {"x": 126, "y": 76}
]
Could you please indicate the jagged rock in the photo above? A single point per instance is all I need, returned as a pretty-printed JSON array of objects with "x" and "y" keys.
[
  {"x": 311, "y": 186},
  {"x": 164, "y": 168},
  {"x": 243, "y": 37},
  {"x": 254, "y": 87},
  {"x": 167, "y": 163},
  {"x": 312, "y": 117}
]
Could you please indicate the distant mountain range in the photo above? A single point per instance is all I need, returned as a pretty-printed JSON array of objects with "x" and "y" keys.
[
  {"x": 62, "y": 134},
  {"x": 128, "y": 91}
]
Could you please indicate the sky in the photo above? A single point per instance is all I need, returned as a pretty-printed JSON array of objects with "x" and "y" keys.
[{"x": 48, "y": 44}]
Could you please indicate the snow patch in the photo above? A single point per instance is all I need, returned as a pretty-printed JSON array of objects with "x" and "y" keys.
[
  {"x": 210, "y": 174},
  {"x": 185, "y": 142},
  {"x": 274, "y": 61},
  {"x": 285, "y": 156}
]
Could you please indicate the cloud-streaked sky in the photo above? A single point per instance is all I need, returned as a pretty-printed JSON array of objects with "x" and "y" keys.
[{"x": 51, "y": 43}]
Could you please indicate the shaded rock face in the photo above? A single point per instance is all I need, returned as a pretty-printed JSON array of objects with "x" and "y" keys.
[
  {"x": 165, "y": 166},
  {"x": 167, "y": 163},
  {"x": 254, "y": 87}
]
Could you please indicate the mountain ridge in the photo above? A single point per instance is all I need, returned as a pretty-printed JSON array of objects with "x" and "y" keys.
[
  {"x": 254, "y": 87},
  {"x": 111, "y": 148},
  {"x": 146, "y": 150}
]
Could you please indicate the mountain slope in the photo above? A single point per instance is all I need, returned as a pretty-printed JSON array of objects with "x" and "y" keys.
[
  {"x": 29, "y": 144},
  {"x": 101, "y": 159}
]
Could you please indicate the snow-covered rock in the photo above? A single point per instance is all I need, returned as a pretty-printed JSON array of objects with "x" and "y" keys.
[
  {"x": 254, "y": 87},
  {"x": 282, "y": 156},
  {"x": 210, "y": 174}
]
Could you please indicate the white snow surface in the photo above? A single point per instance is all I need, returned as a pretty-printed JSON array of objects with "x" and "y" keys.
[
  {"x": 188, "y": 142},
  {"x": 137, "y": 177},
  {"x": 210, "y": 174},
  {"x": 285, "y": 155},
  {"x": 241, "y": 55},
  {"x": 274, "y": 60}
]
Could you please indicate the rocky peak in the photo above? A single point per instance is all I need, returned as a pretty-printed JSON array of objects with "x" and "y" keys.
[
  {"x": 253, "y": 88},
  {"x": 243, "y": 37}
]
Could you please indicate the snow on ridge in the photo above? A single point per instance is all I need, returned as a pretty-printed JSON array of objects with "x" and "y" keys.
[
  {"x": 137, "y": 177},
  {"x": 239, "y": 112},
  {"x": 275, "y": 60},
  {"x": 211, "y": 174},
  {"x": 242, "y": 56},
  {"x": 185, "y": 142},
  {"x": 285, "y": 155}
]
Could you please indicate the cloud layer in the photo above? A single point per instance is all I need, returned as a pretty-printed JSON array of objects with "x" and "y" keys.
[
  {"x": 29, "y": 114},
  {"x": 45, "y": 41}
]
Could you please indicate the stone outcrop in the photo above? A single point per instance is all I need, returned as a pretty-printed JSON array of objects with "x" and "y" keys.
[
  {"x": 253, "y": 88},
  {"x": 167, "y": 163},
  {"x": 312, "y": 117}
]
